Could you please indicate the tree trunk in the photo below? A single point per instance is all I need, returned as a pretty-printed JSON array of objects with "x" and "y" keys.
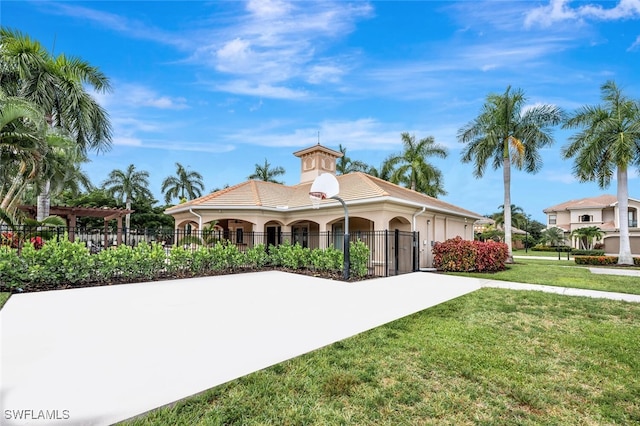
[
  {"x": 44, "y": 202},
  {"x": 8, "y": 197},
  {"x": 624, "y": 256},
  {"x": 127, "y": 218},
  {"x": 506, "y": 171}
]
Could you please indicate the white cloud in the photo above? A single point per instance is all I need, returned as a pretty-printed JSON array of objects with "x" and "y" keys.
[
  {"x": 276, "y": 43},
  {"x": 319, "y": 74},
  {"x": 364, "y": 134},
  {"x": 635, "y": 45},
  {"x": 560, "y": 10},
  {"x": 127, "y": 141},
  {"x": 245, "y": 87},
  {"x": 268, "y": 8},
  {"x": 132, "y": 95}
]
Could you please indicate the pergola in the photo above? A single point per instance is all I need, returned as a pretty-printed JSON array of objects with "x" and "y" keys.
[{"x": 71, "y": 213}]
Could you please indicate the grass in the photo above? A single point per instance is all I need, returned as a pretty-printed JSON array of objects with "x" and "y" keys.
[
  {"x": 561, "y": 273},
  {"x": 490, "y": 357},
  {"x": 4, "y": 296},
  {"x": 531, "y": 253}
]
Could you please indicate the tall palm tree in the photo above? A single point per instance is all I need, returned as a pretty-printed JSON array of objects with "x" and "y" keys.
[
  {"x": 58, "y": 86},
  {"x": 609, "y": 140},
  {"x": 346, "y": 165},
  {"x": 184, "y": 184},
  {"x": 127, "y": 185},
  {"x": 508, "y": 134},
  {"x": 266, "y": 173},
  {"x": 411, "y": 168}
]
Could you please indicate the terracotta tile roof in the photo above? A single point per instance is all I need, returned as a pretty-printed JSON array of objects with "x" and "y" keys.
[
  {"x": 353, "y": 187},
  {"x": 598, "y": 202}
]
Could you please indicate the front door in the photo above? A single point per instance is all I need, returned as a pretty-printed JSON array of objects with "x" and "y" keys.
[{"x": 273, "y": 233}]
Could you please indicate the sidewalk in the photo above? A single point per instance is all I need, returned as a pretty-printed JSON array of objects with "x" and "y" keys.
[{"x": 561, "y": 290}]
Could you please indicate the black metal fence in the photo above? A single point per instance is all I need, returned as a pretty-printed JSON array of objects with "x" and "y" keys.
[{"x": 390, "y": 252}]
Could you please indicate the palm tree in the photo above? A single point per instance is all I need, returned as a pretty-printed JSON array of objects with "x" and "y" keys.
[
  {"x": 384, "y": 172},
  {"x": 346, "y": 165},
  {"x": 518, "y": 218},
  {"x": 587, "y": 235},
  {"x": 57, "y": 85},
  {"x": 411, "y": 168},
  {"x": 266, "y": 173},
  {"x": 553, "y": 236},
  {"x": 184, "y": 184},
  {"x": 22, "y": 136},
  {"x": 507, "y": 134},
  {"x": 609, "y": 139},
  {"x": 127, "y": 185}
]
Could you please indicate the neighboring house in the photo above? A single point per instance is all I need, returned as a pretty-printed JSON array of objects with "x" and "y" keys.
[
  {"x": 255, "y": 212},
  {"x": 486, "y": 223},
  {"x": 601, "y": 211}
]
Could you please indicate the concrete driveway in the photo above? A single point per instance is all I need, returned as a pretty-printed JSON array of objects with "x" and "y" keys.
[{"x": 104, "y": 354}]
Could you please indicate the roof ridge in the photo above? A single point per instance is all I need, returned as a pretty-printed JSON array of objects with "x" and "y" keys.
[
  {"x": 254, "y": 191},
  {"x": 367, "y": 179}
]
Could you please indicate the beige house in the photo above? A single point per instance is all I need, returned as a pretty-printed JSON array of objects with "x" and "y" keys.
[
  {"x": 601, "y": 211},
  {"x": 254, "y": 212}
]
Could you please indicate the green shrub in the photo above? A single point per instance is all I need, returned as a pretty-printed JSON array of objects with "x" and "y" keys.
[
  {"x": 541, "y": 247},
  {"x": 292, "y": 256},
  {"x": 179, "y": 261},
  {"x": 58, "y": 261},
  {"x": 588, "y": 252},
  {"x": 202, "y": 261},
  {"x": 151, "y": 260},
  {"x": 13, "y": 269},
  {"x": 256, "y": 256},
  {"x": 359, "y": 258}
]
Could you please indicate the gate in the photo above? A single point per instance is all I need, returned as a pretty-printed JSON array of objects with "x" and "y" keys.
[{"x": 403, "y": 254}]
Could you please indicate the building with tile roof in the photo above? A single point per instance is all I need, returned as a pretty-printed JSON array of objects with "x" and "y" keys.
[
  {"x": 268, "y": 210},
  {"x": 601, "y": 211}
]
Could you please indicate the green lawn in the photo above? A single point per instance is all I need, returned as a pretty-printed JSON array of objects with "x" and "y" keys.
[
  {"x": 561, "y": 273},
  {"x": 4, "y": 296},
  {"x": 530, "y": 253},
  {"x": 490, "y": 357}
]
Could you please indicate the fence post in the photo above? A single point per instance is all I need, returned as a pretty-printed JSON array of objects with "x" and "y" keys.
[{"x": 386, "y": 252}]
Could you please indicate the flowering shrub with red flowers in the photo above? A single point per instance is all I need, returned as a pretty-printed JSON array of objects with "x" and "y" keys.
[
  {"x": 458, "y": 255},
  {"x": 601, "y": 260},
  {"x": 37, "y": 242},
  {"x": 10, "y": 239}
]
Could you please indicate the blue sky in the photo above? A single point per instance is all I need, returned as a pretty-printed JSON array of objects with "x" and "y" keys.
[{"x": 221, "y": 85}]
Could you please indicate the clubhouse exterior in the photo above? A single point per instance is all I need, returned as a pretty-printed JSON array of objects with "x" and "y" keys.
[{"x": 399, "y": 225}]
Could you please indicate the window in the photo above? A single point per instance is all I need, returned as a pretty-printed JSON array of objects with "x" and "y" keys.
[
  {"x": 239, "y": 235},
  {"x": 552, "y": 219},
  {"x": 633, "y": 222},
  {"x": 586, "y": 218}
]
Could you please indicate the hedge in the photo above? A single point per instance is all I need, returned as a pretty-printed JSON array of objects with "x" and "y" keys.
[
  {"x": 458, "y": 255},
  {"x": 601, "y": 260},
  {"x": 60, "y": 263}
]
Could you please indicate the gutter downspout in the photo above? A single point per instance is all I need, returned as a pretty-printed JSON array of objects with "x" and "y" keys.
[
  {"x": 199, "y": 219},
  {"x": 416, "y": 244},
  {"x": 416, "y": 214}
]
